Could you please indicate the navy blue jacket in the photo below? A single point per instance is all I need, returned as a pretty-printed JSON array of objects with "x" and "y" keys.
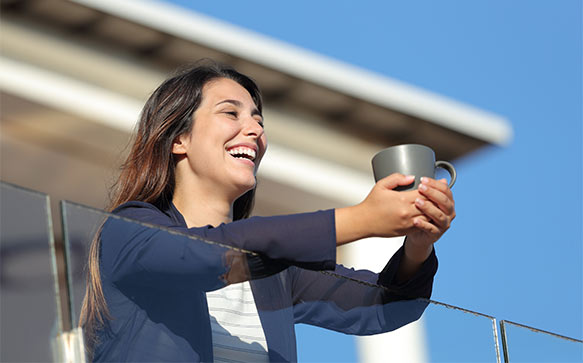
[{"x": 155, "y": 277}]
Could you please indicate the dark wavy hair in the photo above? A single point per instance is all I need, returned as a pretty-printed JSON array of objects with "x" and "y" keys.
[{"x": 148, "y": 174}]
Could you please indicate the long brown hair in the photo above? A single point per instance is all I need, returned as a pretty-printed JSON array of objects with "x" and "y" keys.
[{"x": 148, "y": 173}]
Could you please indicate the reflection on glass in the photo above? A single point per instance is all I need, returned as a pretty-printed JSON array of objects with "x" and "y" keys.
[
  {"x": 29, "y": 307},
  {"x": 522, "y": 343}
]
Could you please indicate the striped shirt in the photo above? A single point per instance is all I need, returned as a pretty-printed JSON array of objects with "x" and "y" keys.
[{"x": 236, "y": 329}]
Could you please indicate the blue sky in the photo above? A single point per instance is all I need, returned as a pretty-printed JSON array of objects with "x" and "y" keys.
[{"x": 515, "y": 249}]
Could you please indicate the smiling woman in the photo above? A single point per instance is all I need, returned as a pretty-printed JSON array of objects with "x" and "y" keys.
[
  {"x": 219, "y": 157},
  {"x": 153, "y": 296}
]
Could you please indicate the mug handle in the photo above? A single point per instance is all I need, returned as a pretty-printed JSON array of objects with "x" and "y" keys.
[{"x": 449, "y": 168}]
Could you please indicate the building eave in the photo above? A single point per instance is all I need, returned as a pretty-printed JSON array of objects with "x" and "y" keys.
[{"x": 312, "y": 67}]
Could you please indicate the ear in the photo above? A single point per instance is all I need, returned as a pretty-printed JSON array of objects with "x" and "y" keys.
[{"x": 180, "y": 144}]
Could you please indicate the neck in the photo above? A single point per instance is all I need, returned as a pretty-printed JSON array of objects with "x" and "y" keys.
[{"x": 200, "y": 208}]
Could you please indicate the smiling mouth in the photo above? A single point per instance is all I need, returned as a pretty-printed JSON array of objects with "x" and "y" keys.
[{"x": 242, "y": 153}]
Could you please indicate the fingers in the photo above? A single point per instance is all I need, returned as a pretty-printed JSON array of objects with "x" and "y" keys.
[
  {"x": 394, "y": 180},
  {"x": 439, "y": 193},
  {"x": 426, "y": 226},
  {"x": 439, "y": 206},
  {"x": 440, "y": 185},
  {"x": 439, "y": 218},
  {"x": 430, "y": 211}
]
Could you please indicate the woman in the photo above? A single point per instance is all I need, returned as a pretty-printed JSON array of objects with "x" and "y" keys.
[{"x": 192, "y": 170}]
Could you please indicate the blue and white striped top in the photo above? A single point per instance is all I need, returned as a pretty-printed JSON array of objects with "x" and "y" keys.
[{"x": 237, "y": 333}]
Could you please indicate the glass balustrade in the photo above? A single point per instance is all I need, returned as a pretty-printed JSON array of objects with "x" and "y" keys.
[
  {"x": 445, "y": 333},
  {"x": 30, "y": 310},
  {"x": 29, "y": 304},
  {"x": 523, "y": 343}
]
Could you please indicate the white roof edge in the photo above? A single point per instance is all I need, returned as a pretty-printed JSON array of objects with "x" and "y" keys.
[
  {"x": 310, "y": 66},
  {"x": 68, "y": 94}
]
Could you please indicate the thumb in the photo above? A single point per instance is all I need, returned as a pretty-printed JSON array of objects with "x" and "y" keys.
[{"x": 394, "y": 180}]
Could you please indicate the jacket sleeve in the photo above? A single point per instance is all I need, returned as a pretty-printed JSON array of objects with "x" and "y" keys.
[
  {"x": 134, "y": 254},
  {"x": 142, "y": 253},
  {"x": 361, "y": 302}
]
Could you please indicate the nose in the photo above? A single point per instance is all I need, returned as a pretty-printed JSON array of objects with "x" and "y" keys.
[{"x": 252, "y": 128}]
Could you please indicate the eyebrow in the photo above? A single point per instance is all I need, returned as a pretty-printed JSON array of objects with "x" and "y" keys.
[{"x": 240, "y": 104}]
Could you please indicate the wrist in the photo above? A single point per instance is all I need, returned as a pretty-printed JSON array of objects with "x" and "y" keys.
[
  {"x": 349, "y": 224},
  {"x": 416, "y": 250}
]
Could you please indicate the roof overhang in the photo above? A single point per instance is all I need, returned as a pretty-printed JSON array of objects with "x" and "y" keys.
[
  {"x": 310, "y": 67},
  {"x": 96, "y": 62},
  {"x": 337, "y": 96}
]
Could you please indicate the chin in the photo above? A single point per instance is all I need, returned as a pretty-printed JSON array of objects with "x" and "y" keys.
[
  {"x": 249, "y": 186},
  {"x": 245, "y": 186}
]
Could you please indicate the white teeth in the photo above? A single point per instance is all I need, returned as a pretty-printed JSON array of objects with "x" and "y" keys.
[{"x": 243, "y": 150}]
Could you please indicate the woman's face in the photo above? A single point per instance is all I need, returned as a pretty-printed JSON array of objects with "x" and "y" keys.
[{"x": 227, "y": 140}]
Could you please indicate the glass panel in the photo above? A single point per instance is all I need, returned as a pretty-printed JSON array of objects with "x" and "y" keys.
[
  {"x": 322, "y": 345},
  {"x": 155, "y": 280},
  {"x": 82, "y": 224},
  {"x": 455, "y": 334},
  {"x": 445, "y": 333},
  {"x": 29, "y": 304},
  {"x": 522, "y": 343},
  {"x": 157, "y": 283},
  {"x": 352, "y": 306}
]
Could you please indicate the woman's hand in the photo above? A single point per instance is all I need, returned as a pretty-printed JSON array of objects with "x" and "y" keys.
[
  {"x": 384, "y": 213},
  {"x": 438, "y": 207}
]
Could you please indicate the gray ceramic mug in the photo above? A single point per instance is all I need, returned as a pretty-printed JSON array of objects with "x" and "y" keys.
[{"x": 409, "y": 159}]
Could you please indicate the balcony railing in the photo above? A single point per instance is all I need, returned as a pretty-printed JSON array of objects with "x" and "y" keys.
[{"x": 43, "y": 284}]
